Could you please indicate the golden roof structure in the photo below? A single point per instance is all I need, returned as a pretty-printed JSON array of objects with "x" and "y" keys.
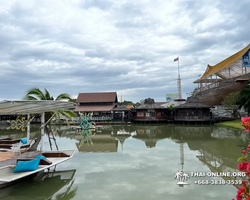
[{"x": 221, "y": 69}]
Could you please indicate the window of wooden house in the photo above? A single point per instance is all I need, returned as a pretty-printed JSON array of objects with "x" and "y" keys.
[{"x": 140, "y": 114}]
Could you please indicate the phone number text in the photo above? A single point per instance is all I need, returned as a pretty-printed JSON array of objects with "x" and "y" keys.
[{"x": 218, "y": 182}]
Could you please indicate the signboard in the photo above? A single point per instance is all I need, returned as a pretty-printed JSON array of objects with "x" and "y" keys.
[
  {"x": 171, "y": 97},
  {"x": 246, "y": 59}
]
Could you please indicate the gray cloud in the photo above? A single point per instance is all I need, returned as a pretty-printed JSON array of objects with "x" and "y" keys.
[{"x": 124, "y": 46}]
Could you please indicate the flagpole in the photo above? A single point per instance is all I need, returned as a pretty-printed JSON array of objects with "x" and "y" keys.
[
  {"x": 178, "y": 67},
  {"x": 179, "y": 80}
]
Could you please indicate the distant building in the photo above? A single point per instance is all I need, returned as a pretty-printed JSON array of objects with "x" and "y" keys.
[
  {"x": 193, "y": 110},
  {"x": 149, "y": 111},
  {"x": 101, "y": 104}
]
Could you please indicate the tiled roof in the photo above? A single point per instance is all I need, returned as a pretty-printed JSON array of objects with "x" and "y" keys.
[
  {"x": 94, "y": 108},
  {"x": 97, "y": 97},
  {"x": 120, "y": 108}
]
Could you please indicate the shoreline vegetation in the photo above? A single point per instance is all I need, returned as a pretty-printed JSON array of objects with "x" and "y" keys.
[{"x": 236, "y": 124}]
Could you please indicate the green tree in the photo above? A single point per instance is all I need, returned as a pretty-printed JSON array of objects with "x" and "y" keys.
[
  {"x": 137, "y": 104},
  {"x": 171, "y": 107},
  {"x": 194, "y": 92},
  {"x": 244, "y": 98},
  {"x": 36, "y": 94},
  {"x": 72, "y": 100},
  {"x": 127, "y": 102},
  {"x": 230, "y": 103}
]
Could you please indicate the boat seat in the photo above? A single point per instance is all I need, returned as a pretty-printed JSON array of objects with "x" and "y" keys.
[
  {"x": 8, "y": 146},
  {"x": 55, "y": 155},
  {"x": 6, "y": 138},
  {"x": 42, "y": 161},
  {"x": 9, "y": 141}
]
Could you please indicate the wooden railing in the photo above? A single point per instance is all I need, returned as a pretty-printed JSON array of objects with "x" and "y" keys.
[
  {"x": 100, "y": 118},
  {"x": 192, "y": 118}
]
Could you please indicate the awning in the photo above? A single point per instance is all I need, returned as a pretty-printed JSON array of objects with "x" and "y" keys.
[
  {"x": 33, "y": 107},
  {"x": 94, "y": 108}
]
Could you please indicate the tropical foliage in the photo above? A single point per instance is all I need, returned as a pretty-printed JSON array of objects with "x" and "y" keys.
[
  {"x": 37, "y": 94},
  {"x": 244, "y": 98},
  {"x": 130, "y": 103},
  {"x": 230, "y": 103}
]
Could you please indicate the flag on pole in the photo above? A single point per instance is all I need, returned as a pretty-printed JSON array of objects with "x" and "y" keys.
[{"x": 176, "y": 59}]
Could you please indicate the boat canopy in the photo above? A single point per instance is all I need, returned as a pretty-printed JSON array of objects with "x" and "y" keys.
[{"x": 26, "y": 107}]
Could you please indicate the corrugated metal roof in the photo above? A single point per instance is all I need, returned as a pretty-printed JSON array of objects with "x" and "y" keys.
[
  {"x": 225, "y": 63},
  {"x": 33, "y": 107},
  {"x": 94, "y": 108},
  {"x": 97, "y": 97}
]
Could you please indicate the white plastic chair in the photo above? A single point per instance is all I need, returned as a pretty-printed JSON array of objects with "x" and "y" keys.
[{"x": 16, "y": 148}]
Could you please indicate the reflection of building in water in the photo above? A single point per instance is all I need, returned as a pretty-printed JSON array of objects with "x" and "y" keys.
[
  {"x": 150, "y": 134},
  {"x": 121, "y": 139},
  {"x": 222, "y": 132},
  {"x": 218, "y": 156},
  {"x": 121, "y": 135},
  {"x": 100, "y": 143},
  {"x": 216, "y": 164}
]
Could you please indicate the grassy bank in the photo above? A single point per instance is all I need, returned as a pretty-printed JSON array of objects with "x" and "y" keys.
[{"x": 231, "y": 124}]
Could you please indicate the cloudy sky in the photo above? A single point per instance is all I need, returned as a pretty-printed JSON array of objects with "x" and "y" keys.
[{"x": 125, "y": 46}]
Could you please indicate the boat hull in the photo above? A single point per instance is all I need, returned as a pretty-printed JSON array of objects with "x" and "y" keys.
[{"x": 53, "y": 158}]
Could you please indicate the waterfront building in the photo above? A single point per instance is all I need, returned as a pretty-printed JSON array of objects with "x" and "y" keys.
[
  {"x": 193, "y": 110},
  {"x": 121, "y": 113},
  {"x": 100, "y": 104},
  {"x": 149, "y": 111}
]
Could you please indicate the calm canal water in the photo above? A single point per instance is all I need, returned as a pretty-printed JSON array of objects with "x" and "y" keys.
[{"x": 135, "y": 162}]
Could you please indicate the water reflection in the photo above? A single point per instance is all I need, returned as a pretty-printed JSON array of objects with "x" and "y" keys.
[
  {"x": 151, "y": 134},
  {"x": 43, "y": 187},
  {"x": 140, "y": 161},
  {"x": 14, "y": 133},
  {"x": 89, "y": 142}
]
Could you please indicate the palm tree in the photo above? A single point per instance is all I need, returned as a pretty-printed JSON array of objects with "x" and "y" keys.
[{"x": 37, "y": 94}]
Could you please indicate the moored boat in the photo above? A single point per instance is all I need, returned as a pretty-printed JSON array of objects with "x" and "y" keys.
[{"x": 52, "y": 158}]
